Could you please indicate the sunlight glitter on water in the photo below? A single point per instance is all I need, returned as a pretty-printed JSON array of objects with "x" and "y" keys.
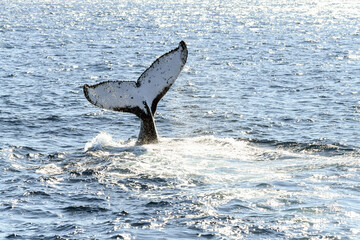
[
  {"x": 225, "y": 176},
  {"x": 226, "y": 160},
  {"x": 274, "y": 82}
]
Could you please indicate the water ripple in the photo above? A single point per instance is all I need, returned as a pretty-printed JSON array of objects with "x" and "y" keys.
[{"x": 258, "y": 135}]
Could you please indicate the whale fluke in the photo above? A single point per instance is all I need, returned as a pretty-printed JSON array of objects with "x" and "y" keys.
[{"x": 141, "y": 97}]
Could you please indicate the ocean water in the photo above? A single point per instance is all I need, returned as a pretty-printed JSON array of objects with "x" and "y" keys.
[{"x": 259, "y": 135}]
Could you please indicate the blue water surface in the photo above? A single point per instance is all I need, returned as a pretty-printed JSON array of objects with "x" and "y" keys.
[{"x": 259, "y": 135}]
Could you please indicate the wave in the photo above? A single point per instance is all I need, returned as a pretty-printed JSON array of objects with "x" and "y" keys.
[
  {"x": 200, "y": 182},
  {"x": 105, "y": 144},
  {"x": 105, "y": 141},
  {"x": 313, "y": 147},
  {"x": 197, "y": 160},
  {"x": 208, "y": 159}
]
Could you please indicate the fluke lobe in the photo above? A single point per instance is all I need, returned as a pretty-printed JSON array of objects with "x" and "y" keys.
[{"x": 141, "y": 97}]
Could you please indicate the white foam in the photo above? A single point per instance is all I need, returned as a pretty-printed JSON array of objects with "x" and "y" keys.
[
  {"x": 49, "y": 169},
  {"x": 207, "y": 159},
  {"x": 101, "y": 141}
]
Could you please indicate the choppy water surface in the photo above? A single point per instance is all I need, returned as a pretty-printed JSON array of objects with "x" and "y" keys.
[{"x": 259, "y": 135}]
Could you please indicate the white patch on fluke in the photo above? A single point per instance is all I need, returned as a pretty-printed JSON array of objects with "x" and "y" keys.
[{"x": 114, "y": 95}]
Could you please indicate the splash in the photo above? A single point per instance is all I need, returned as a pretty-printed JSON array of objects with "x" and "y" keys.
[
  {"x": 102, "y": 141},
  {"x": 202, "y": 159}
]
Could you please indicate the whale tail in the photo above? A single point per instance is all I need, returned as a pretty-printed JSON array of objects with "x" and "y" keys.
[{"x": 141, "y": 97}]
